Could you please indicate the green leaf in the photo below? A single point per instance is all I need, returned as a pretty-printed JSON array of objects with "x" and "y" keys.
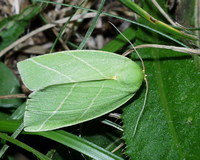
[
  {"x": 118, "y": 17},
  {"x": 19, "y": 112},
  {"x": 23, "y": 145},
  {"x": 170, "y": 125},
  {"x": 92, "y": 26},
  {"x": 12, "y": 27},
  {"x": 75, "y": 86},
  {"x": 67, "y": 139},
  {"x": 80, "y": 144},
  {"x": 161, "y": 25},
  {"x": 8, "y": 85},
  {"x": 103, "y": 136},
  {"x": 119, "y": 42}
]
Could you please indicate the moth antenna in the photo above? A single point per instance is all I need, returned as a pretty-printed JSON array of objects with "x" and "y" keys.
[
  {"x": 145, "y": 79},
  {"x": 143, "y": 107},
  {"x": 129, "y": 51}
]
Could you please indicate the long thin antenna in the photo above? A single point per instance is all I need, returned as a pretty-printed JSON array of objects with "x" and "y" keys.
[
  {"x": 145, "y": 79},
  {"x": 131, "y": 50},
  {"x": 143, "y": 107}
]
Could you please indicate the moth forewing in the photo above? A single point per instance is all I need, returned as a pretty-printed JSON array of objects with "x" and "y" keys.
[{"x": 75, "y": 86}]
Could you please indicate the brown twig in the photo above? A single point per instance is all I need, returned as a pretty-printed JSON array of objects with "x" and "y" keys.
[{"x": 11, "y": 96}]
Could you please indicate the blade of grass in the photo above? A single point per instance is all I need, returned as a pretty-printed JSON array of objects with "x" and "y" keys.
[
  {"x": 118, "y": 42},
  {"x": 40, "y": 29},
  {"x": 134, "y": 7},
  {"x": 17, "y": 114},
  {"x": 93, "y": 24},
  {"x": 23, "y": 145},
  {"x": 60, "y": 33},
  {"x": 112, "y": 124},
  {"x": 167, "y": 17},
  {"x": 80, "y": 145},
  {"x": 45, "y": 27},
  {"x": 62, "y": 30},
  {"x": 118, "y": 17},
  {"x": 197, "y": 24},
  {"x": 174, "y": 48},
  {"x": 13, "y": 136},
  {"x": 66, "y": 139}
]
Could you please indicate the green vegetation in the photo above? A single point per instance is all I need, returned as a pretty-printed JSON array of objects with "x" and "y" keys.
[{"x": 100, "y": 95}]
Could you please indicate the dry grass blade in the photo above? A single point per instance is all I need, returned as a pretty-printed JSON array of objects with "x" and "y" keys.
[
  {"x": 118, "y": 147},
  {"x": 174, "y": 48},
  {"x": 45, "y": 27},
  {"x": 163, "y": 13}
]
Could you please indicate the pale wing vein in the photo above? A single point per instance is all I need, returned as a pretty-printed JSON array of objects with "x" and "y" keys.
[
  {"x": 51, "y": 69},
  {"x": 59, "y": 107},
  {"x": 83, "y": 61},
  {"x": 92, "y": 102}
]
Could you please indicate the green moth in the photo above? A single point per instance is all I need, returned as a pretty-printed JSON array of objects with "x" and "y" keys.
[{"x": 71, "y": 87}]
